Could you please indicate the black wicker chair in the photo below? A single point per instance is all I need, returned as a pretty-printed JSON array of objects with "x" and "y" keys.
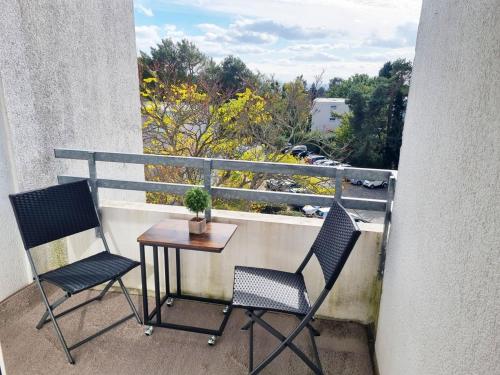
[
  {"x": 258, "y": 290},
  {"x": 59, "y": 211}
]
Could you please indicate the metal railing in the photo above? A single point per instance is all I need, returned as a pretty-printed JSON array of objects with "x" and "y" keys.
[{"x": 208, "y": 165}]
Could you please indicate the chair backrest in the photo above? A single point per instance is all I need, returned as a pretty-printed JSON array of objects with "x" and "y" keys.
[
  {"x": 334, "y": 243},
  {"x": 55, "y": 212}
]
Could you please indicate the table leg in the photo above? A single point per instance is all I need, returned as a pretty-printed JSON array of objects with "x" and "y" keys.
[
  {"x": 178, "y": 270},
  {"x": 169, "y": 299},
  {"x": 144, "y": 286},
  {"x": 157, "y": 284}
]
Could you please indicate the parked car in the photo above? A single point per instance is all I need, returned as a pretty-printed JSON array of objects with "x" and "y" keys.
[
  {"x": 321, "y": 161},
  {"x": 329, "y": 163},
  {"x": 322, "y": 212},
  {"x": 374, "y": 184},
  {"x": 312, "y": 158},
  {"x": 298, "y": 149},
  {"x": 274, "y": 184},
  {"x": 303, "y": 154},
  {"x": 355, "y": 181},
  {"x": 299, "y": 190},
  {"x": 286, "y": 149},
  {"x": 309, "y": 210}
]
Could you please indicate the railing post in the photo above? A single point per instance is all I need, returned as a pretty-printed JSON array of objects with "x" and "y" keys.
[
  {"x": 93, "y": 178},
  {"x": 391, "y": 187},
  {"x": 93, "y": 186},
  {"x": 207, "y": 182},
  {"x": 339, "y": 176}
]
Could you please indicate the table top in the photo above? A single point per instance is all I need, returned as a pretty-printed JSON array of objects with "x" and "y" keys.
[{"x": 175, "y": 233}]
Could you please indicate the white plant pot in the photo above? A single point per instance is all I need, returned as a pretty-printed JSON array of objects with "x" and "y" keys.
[{"x": 197, "y": 226}]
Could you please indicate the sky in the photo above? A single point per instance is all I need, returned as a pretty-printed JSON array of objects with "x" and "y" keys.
[{"x": 287, "y": 38}]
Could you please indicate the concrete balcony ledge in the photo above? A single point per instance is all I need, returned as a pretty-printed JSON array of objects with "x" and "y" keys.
[{"x": 269, "y": 241}]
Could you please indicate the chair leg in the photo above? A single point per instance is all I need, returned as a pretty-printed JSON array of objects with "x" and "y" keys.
[
  {"x": 250, "y": 346},
  {"x": 129, "y": 300},
  {"x": 315, "y": 348},
  {"x": 250, "y": 321},
  {"x": 105, "y": 290},
  {"x": 43, "y": 319},
  {"x": 54, "y": 322},
  {"x": 315, "y": 331},
  {"x": 285, "y": 342}
]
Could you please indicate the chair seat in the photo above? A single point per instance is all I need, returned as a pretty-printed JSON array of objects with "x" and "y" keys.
[
  {"x": 266, "y": 289},
  {"x": 89, "y": 272}
]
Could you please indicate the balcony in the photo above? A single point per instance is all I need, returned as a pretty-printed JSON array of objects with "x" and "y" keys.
[
  {"x": 346, "y": 318},
  {"x": 73, "y": 84}
]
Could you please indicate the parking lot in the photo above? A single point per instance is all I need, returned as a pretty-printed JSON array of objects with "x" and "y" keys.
[{"x": 362, "y": 192}]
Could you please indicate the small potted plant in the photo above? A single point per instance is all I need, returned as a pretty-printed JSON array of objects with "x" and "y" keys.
[{"x": 197, "y": 200}]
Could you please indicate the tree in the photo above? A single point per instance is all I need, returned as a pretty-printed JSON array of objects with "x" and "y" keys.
[
  {"x": 377, "y": 107},
  {"x": 174, "y": 63},
  {"x": 235, "y": 76},
  {"x": 398, "y": 73},
  {"x": 340, "y": 88}
]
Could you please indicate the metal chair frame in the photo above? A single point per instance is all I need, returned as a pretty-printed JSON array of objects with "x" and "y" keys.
[
  {"x": 49, "y": 314},
  {"x": 255, "y": 315}
]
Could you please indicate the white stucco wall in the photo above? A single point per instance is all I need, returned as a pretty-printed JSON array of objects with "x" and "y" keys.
[
  {"x": 69, "y": 79},
  {"x": 441, "y": 291},
  {"x": 270, "y": 241},
  {"x": 322, "y": 110}
]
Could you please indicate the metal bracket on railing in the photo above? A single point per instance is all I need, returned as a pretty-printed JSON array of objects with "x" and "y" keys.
[{"x": 207, "y": 182}]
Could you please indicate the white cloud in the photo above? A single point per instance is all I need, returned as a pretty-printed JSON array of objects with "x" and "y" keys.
[
  {"x": 280, "y": 30},
  {"x": 293, "y": 37},
  {"x": 147, "y": 36},
  {"x": 234, "y": 33},
  {"x": 150, "y": 35},
  {"x": 148, "y": 12}
]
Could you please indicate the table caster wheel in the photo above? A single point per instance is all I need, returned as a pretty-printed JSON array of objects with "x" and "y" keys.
[
  {"x": 211, "y": 340},
  {"x": 149, "y": 330},
  {"x": 226, "y": 309},
  {"x": 170, "y": 301}
]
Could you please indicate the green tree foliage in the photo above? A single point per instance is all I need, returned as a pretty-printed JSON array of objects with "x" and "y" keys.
[
  {"x": 175, "y": 63},
  {"x": 377, "y": 105},
  {"x": 182, "y": 62},
  {"x": 234, "y": 75}
]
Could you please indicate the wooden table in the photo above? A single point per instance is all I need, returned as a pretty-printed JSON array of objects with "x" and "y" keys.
[{"x": 175, "y": 234}]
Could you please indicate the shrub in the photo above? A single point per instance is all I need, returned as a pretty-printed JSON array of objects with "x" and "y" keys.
[{"x": 196, "y": 200}]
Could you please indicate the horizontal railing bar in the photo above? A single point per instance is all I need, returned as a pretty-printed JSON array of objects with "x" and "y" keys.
[
  {"x": 296, "y": 199},
  {"x": 233, "y": 193},
  {"x": 271, "y": 196},
  {"x": 222, "y": 164},
  {"x": 66, "y": 179},
  {"x": 272, "y": 167},
  {"x": 62, "y": 153},
  {"x": 364, "y": 204},
  {"x": 163, "y": 187},
  {"x": 182, "y": 161},
  {"x": 130, "y": 158}
]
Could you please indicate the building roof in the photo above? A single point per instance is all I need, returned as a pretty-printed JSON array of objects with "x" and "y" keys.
[{"x": 329, "y": 100}]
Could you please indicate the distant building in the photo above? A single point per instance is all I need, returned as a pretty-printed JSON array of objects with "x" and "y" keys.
[{"x": 322, "y": 118}]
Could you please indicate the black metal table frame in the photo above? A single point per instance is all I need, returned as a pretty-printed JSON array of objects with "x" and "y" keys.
[{"x": 160, "y": 301}]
